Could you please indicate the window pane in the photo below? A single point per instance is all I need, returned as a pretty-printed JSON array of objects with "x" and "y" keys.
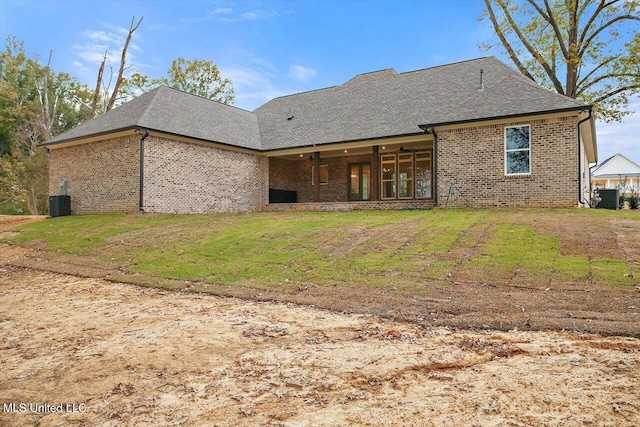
[
  {"x": 405, "y": 170},
  {"x": 388, "y": 171},
  {"x": 423, "y": 169},
  {"x": 388, "y": 190},
  {"x": 405, "y": 188},
  {"x": 423, "y": 175},
  {"x": 366, "y": 171},
  {"x": 517, "y": 137},
  {"x": 324, "y": 174},
  {"x": 423, "y": 188},
  {"x": 518, "y": 162},
  {"x": 355, "y": 179}
]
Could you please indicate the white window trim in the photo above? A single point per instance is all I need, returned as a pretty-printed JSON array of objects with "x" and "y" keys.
[{"x": 519, "y": 149}]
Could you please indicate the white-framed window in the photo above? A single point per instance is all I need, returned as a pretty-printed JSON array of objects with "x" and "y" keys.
[
  {"x": 517, "y": 150},
  {"x": 324, "y": 175}
]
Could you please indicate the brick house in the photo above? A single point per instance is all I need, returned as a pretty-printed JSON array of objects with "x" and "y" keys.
[{"x": 382, "y": 140}]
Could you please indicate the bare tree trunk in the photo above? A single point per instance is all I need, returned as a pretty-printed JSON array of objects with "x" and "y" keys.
[
  {"x": 34, "y": 210},
  {"x": 43, "y": 93},
  {"x": 96, "y": 92},
  {"x": 116, "y": 88}
]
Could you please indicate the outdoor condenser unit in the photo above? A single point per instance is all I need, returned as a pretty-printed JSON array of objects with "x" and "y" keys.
[
  {"x": 59, "y": 205},
  {"x": 609, "y": 198}
]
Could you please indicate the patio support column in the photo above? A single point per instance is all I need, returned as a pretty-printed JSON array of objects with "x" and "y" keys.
[
  {"x": 316, "y": 176},
  {"x": 375, "y": 174}
]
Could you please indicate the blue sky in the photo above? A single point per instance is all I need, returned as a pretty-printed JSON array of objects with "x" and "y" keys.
[{"x": 269, "y": 48}]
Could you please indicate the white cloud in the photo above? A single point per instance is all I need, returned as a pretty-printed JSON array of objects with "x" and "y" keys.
[
  {"x": 253, "y": 85},
  {"x": 96, "y": 43},
  {"x": 220, "y": 10},
  {"x": 254, "y": 16},
  {"x": 100, "y": 35},
  {"x": 301, "y": 73},
  {"x": 80, "y": 67}
]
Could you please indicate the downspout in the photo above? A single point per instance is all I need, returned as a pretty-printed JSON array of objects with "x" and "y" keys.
[
  {"x": 580, "y": 201},
  {"x": 432, "y": 130},
  {"x": 141, "y": 192}
]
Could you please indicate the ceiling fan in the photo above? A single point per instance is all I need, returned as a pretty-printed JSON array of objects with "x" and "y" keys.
[{"x": 404, "y": 149}]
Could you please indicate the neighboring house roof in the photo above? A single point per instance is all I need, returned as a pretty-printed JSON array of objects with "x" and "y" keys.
[
  {"x": 615, "y": 167},
  {"x": 371, "y": 105},
  {"x": 176, "y": 112}
]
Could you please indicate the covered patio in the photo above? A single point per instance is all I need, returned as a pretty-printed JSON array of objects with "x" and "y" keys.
[{"x": 389, "y": 173}]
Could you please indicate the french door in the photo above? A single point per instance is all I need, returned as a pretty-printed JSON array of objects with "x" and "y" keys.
[{"x": 359, "y": 181}]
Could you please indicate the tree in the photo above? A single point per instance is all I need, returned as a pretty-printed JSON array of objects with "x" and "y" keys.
[
  {"x": 585, "y": 49},
  {"x": 35, "y": 104},
  {"x": 198, "y": 77},
  {"x": 98, "y": 93},
  {"x": 201, "y": 78}
]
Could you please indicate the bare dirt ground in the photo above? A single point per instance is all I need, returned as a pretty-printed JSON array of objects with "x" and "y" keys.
[{"x": 109, "y": 354}]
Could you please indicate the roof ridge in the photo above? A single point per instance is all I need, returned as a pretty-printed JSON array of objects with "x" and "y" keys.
[
  {"x": 383, "y": 70},
  {"x": 296, "y": 94},
  {"x": 152, "y": 93},
  {"x": 183, "y": 92},
  {"x": 447, "y": 65}
]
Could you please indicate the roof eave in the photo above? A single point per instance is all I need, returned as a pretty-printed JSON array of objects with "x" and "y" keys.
[
  {"x": 326, "y": 145},
  {"x": 504, "y": 117},
  {"x": 88, "y": 138},
  {"x": 132, "y": 129}
]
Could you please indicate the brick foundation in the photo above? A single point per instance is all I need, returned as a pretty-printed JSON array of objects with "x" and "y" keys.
[{"x": 350, "y": 206}]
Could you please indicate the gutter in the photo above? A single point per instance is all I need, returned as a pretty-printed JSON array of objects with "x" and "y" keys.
[
  {"x": 141, "y": 192},
  {"x": 580, "y": 201},
  {"x": 504, "y": 116}
]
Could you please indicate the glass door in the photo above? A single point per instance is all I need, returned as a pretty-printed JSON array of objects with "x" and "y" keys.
[{"x": 360, "y": 181}]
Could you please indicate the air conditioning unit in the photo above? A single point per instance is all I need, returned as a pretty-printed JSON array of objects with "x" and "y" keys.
[
  {"x": 59, "y": 205},
  {"x": 609, "y": 198}
]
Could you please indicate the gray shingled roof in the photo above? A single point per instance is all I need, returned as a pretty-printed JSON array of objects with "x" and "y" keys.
[
  {"x": 172, "y": 111},
  {"x": 385, "y": 103},
  {"x": 371, "y": 105}
]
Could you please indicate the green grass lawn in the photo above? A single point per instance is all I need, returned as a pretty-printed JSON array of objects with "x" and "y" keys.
[{"x": 400, "y": 250}]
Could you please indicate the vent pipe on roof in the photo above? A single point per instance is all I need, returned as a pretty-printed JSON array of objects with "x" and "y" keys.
[{"x": 481, "y": 82}]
